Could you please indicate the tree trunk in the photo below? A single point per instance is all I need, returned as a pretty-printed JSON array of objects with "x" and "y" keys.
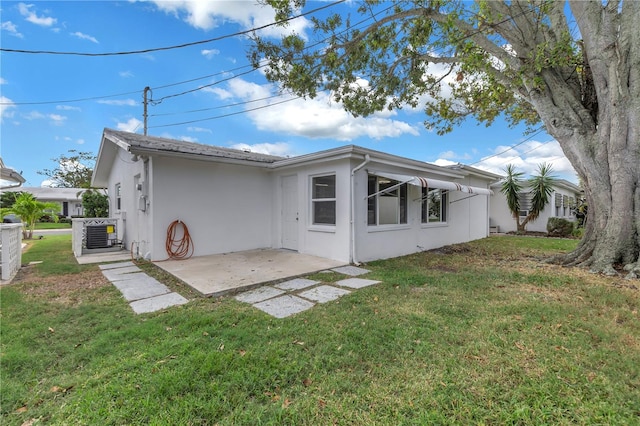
[
  {"x": 607, "y": 159},
  {"x": 601, "y": 137}
]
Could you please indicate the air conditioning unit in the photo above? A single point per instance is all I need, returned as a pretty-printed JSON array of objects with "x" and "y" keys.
[{"x": 100, "y": 236}]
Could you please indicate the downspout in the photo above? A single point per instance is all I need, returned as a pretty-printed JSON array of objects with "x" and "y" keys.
[{"x": 354, "y": 259}]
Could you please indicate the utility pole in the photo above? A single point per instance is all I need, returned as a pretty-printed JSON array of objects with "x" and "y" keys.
[{"x": 145, "y": 102}]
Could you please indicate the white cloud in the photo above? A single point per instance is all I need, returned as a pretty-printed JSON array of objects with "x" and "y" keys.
[
  {"x": 206, "y": 15},
  {"x": 527, "y": 157},
  {"x": 3, "y": 81},
  {"x": 34, "y": 115},
  {"x": 80, "y": 141},
  {"x": 281, "y": 149},
  {"x": 6, "y": 107},
  {"x": 31, "y": 16},
  {"x": 220, "y": 93},
  {"x": 11, "y": 28},
  {"x": 313, "y": 118},
  {"x": 209, "y": 53},
  {"x": 57, "y": 119},
  {"x": 118, "y": 102},
  {"x": 67, "y": 108},
  {"x": 443, "y": 162},
  {"x": 199, "y": 130},
  {"x": 451, "y": 155},
  {"x": 125, "y": 74},
  {"x": 130, "y": 125},
  {"x": 84, "y": 37}
]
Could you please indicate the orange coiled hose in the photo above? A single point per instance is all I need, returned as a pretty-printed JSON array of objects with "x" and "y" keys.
[{"x": 179, "y": 244}]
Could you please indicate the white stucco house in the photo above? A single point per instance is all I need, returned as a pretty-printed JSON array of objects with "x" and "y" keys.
[
  {"x": 350, "y": 204},
  {"x": 563, "y": 201},
  {"x": 69, "y": 199}
]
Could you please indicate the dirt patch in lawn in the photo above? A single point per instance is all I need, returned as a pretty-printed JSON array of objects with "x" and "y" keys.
[{"x": 68, "y": 289}]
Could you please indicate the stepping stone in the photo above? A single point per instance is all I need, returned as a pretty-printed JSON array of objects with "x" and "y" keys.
[
  {"x": 115, "y": 265},
  {"x": 356, "y": 283},
  {"x": 141, "y": 289},
  {"x": 296, "y": 284},
  {"x": 353, "y": 271},
  {"x": 284, "y": 306},
  {"x": 120, "y": 273},
  {"x": 324, "y": 293},
  {"x": 157, "y": 303},
  {"x": 259, "y": 294}
]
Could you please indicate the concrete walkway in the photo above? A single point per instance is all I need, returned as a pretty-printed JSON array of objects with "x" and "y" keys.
[
  {"x": 144, "y": 293},
  {"x": 291, "y": 297}
]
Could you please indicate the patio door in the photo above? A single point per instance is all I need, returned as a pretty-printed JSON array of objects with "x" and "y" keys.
[{"x": 290, "y": 212}]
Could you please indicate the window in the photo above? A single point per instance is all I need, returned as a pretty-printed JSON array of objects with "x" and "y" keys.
[
  {"x": 323, "y": 200},
  {"x": 389, "y": 204},
  {"x": 118, "y": 197},
  {"x": 434, "y": 205}
]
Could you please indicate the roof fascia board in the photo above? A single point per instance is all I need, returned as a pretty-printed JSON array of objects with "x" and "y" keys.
[
  {"x": 356, "y": 152},
  {"x": 199, "y": 157}
]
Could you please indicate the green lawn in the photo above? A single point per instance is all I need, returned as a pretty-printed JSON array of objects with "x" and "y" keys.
[
  {"x": 479, "y": 333},
  {"x": 52, "y": 225}
]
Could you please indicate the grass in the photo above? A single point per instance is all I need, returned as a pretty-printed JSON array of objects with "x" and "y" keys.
[
  {"x": 478, "y": 333},
  {"x": 52, "y": 225}
]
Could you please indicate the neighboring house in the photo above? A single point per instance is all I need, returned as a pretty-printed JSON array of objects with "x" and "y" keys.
[
  {"x": 9, "y": 178},
  {"x": 350, "y": 204},
  {"x": 562, "y": 203},
  {"x": 69, "y": 199}
]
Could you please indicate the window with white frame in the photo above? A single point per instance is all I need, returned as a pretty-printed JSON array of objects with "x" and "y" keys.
[
  {"x": 118, "y": 197},
  {"x": 323, "y": 200},
  {"x": 387, "y": 201},
  {"x": 434, "y": 205}
]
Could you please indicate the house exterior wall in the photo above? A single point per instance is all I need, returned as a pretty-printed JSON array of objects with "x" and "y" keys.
[
  {"x": 330, "y": 241},
  {"x": 467, "y": 219},
  {"x": 226, "y": 207},
  {"x": 500, "y": 215},
  {"x": 122, "y": 174}
]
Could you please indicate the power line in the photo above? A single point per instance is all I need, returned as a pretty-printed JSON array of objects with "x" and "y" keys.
[
  {"x": 178, "y": 46},
  {"x": 221, "y": 106},
  {"x": 540, "y": 130},
  {"x": 226, "y": 115}
]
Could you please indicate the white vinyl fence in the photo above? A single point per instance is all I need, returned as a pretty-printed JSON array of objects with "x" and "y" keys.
[{"x": 11, "y": 248}]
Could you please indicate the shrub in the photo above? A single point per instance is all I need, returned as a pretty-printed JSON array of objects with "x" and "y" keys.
[{"x": 559, "y": 227}]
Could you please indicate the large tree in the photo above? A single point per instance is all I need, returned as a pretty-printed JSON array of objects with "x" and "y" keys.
[
  {"x": 574, "y": 66},
  {"x": 74, "y": 170}
]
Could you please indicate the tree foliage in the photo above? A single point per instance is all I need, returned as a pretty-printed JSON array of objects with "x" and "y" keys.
[
  {"x": 574, "y": 69},
  {"x": 74, "y": 170},
  {"x": 538, "y": 188},
  {"x": 8, "y": 198},
  {"x": 95, "y": 203},
  {"x": 29, "y": 210}
]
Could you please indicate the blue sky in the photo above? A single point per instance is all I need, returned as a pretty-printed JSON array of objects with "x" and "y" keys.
[{"x": 54, "y": 103}]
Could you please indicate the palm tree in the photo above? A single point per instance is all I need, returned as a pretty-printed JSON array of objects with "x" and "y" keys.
[
  {"x": 540, "y": 189},
  {"x": 29, "y": 210},
  {"x": 511, "y": 188}
]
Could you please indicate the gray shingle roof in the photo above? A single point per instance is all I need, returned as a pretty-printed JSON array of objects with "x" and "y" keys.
[{"x": 168, "y": 146}]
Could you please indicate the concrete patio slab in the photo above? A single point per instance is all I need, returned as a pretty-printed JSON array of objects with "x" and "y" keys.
[
  {"x": 296, "y": 284},
  {"x": 353, "y": 271},
  {"x": 324, "y": 293},
  {"x": 356, "y": 282},
  {"x": 157, "y": 303},
  {"x": 284, "y": 306},
  {"x": 220, "y": 274},
  {"x": 104, "y": 257},
  {"x": 259, "y": 295}
]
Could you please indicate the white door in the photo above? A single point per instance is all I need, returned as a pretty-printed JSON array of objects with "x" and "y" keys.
[{"x": 290, "y": 212}]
